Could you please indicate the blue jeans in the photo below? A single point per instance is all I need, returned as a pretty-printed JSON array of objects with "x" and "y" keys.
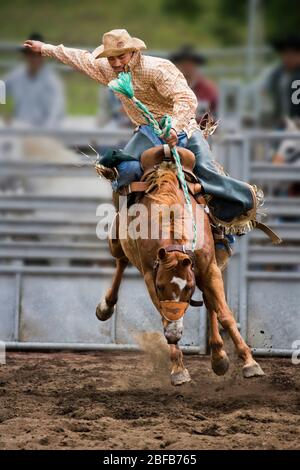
[
  {"x": 131, "y": 170},
  {"x": 230, "y": 198}
]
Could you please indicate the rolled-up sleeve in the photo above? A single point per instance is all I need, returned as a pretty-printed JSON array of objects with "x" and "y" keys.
[
  {"x": 79, "y": 59},
  {"x": 171, "y": 84}
]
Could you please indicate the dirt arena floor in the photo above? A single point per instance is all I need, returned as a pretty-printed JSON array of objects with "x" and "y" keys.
[{"x": 116, "y": 400}]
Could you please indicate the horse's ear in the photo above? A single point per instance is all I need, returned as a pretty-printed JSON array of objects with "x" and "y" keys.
[
  {"x": 161, "y": 253},
  {"x": 186, "y": 262}
]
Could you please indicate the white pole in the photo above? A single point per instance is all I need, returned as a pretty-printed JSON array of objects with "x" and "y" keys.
[{"x": 250, "y": 56}]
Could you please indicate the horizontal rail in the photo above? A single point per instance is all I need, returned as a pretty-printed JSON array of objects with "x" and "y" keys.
[
  {"x": 66, "y": 270},
  {"x": 36, "y": 346},
  {"x": 282, "y": 276},
  {"x": 30, "y": 169},
  {"x": 114, "y": 134},
  {"x": 50, "y": 231},
  {"x": 272, "y": 352},
  {"x": 273, "y": 205},
  {"x": 258, "y": 171},
  {"x": 100, "y": 252},
  {"x": 107, "y": 135},
  {"x": 15, "y": 345},
  {"x": 254, "y": 135},
  {"x": 269, "y": 172},
  {"x": 31, "y": 202}
]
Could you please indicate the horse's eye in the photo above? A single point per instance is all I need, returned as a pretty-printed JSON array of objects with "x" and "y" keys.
[{"x": 160, "y": 287}]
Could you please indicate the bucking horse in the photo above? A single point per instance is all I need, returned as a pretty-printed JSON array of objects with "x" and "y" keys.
[{"x": 172, "y": 270}]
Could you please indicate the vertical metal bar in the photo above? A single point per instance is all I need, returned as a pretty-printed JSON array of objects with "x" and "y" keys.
[
  {"x": 243, "y": 284},
  {"x": 113, "y": 326},
  {"x": 18, "y": 286},
  {"x": 202, "y": 330},
  {"x": 250, "y": 55}
]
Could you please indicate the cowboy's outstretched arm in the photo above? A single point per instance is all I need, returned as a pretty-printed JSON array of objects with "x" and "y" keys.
[
  {"x": 77, "y": 58},
  {"x": 171, "y": 84}
]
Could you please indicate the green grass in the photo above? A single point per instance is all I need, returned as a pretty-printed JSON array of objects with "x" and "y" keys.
[{"x": 76, "y": 22}]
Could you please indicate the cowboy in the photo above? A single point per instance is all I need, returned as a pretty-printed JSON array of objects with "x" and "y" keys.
[{"x": 160, "y": 85}]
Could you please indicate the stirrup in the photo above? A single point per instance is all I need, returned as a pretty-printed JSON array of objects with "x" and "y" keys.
[{"x": 219, "y": 237}]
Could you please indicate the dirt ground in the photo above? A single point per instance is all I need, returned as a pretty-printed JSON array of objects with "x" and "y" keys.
[{"x": 117, "y": 400}]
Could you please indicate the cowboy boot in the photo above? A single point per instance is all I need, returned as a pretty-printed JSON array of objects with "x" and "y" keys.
[{"x": 223, "y": 249}]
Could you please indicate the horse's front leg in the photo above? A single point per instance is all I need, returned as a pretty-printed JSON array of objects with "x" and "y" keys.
[
  {"x": 219, "y": 358},
  {"x": 213, "y": 291},
  {"x": 173, "y": 333},
  {"x": 106, "y": 307}
]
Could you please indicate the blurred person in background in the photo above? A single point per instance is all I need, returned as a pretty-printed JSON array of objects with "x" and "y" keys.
[
  {"x": 276, "y": 84},
  {"x": 36, "y": 91},
  {"x": 188, "y": 61}
]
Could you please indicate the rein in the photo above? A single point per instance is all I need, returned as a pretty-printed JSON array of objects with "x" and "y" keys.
[{"x": 123, "y": 85}]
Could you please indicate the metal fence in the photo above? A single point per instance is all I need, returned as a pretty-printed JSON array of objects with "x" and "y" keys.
[
  {"x": 226, "y": 61},
  {"x": 53, "y": 269},
  {"x": 263, "y": 280}
]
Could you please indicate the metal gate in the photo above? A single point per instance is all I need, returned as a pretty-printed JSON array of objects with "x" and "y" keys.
[
  {"x": 53, "y": 269},
  {"x": 262, "y": 279}
]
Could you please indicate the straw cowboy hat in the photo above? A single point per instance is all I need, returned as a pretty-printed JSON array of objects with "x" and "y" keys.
[{"x": 117, "y": 42}]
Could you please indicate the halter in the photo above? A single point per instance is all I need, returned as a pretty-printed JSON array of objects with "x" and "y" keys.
[{"x": 170, "y": 309}]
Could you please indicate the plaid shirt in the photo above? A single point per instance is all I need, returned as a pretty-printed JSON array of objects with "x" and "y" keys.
[{"x": 156, "y": 82}]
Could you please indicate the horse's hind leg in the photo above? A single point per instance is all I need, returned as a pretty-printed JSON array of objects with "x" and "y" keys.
[
  {"x": 213, "y": 290},
  {"x": 106, "y": 307}
]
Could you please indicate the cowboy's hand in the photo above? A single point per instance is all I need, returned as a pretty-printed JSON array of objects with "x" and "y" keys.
[
  {"x": 172, "y": 139},
  {"x": 33, "y": 46}
]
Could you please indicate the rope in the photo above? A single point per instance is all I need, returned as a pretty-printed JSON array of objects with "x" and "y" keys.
[{"x": 123, "y": 85}]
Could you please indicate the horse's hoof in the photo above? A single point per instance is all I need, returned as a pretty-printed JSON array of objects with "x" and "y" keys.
[
  {"x": 252, "y": 370},
  {"x": 180, "y": 378},
  {"x": 220, "y": 366},
  {"x": 104, "y": 311}
]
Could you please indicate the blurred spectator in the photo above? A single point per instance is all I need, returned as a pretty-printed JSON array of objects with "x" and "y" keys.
[
  {"x": 188, "y": 62},
  {"x": 36, "y": 90},
  {"x": 277, "y": 82}
]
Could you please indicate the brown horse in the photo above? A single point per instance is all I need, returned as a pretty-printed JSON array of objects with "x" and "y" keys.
[{"x": 171, "y": 273}]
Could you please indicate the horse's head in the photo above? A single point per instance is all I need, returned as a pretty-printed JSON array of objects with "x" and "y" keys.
[{"x": 175, "y": 285}]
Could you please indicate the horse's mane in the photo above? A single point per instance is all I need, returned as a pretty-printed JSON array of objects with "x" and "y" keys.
[
  {"x": 172, "y": 260},
  {"x": 165, "y": 190},
  {"x": 164, "y": 184}
]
